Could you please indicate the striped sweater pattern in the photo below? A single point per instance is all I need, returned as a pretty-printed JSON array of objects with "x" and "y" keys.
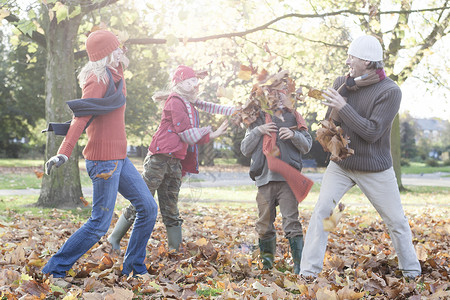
[{"x": 367, "y": 120}]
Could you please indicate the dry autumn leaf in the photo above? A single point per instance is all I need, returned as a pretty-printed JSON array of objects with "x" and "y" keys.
[
  {"x": 316, "y": 94},
  {"x": 38, "y": 173},
  {"x": 332, "y": 140},
  {"x": 330, "y": 223},
  {"x": 107, "y": 175}
]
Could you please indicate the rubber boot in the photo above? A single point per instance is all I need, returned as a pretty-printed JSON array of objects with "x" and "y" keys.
[
  {"x": 267, "y": 249},
  {"x": 174, "y": 237},
  {"x": 296, "y": 244},
  {"x": 119, "y": 231}
]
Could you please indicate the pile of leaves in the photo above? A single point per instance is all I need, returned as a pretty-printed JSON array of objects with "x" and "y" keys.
[
  {"x": 270, "y": 93},
  {"x": 219, "y": 260},
  {"x": 333, "y": 140}
]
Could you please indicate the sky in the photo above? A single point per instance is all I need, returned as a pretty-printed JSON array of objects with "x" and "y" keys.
[{"x": 424, "y": 100}]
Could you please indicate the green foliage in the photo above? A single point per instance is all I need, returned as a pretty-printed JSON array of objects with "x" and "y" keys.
[
  {"x": 22, "y": 95},
  {"x": 432, "y": 162},
  {"x": 408, "y": 137}
]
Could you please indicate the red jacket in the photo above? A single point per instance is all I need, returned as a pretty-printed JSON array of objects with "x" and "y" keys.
[{"x": 174, "y": 120}]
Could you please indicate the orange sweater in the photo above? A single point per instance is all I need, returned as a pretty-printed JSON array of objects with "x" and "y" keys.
[{"x": 106, "y": 134}]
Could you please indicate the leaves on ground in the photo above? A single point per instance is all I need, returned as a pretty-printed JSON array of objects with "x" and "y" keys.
[{"x": 218, "y": 260}]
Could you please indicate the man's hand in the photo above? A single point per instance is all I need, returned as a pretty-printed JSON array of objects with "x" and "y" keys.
[
  {"x": 221, "y": 130},
  {"x": 56, "y": 161},
  {"x": 334, "y": 99},
  {"x": 268, "y": 128},
  {"x": 286, "y": 133}
]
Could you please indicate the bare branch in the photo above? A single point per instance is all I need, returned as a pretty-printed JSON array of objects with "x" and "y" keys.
[
  {"x": 437, "y": 33},
  {"x": 144, "y": 41}
]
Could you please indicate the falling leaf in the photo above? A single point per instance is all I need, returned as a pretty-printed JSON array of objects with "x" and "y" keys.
[
  {"x": 38, "y": 173},
  {"x": 245, "y": 73},
  {"x": 330, "y": 223},
  {"x": 84, "y": 201},
  {"x": 316, "y": 94}
]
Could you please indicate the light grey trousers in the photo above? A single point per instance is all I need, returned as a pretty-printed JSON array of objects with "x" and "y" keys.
[{"x": 382, "y": 191}]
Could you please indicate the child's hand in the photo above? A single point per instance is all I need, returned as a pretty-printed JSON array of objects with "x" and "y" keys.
[
  {"x": 286, "y": 133},
  {"x": 221, "y": 130},
  {"x": 268, "y": 128}
]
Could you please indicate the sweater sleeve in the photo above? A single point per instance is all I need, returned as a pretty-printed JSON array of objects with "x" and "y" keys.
[
  {"x": 250, "y": 141},
  {"x": 302, "y": 140},
  {"x": 214, "y": 108},
  {"x": 375, "y": 125},
  {"x": 92, "y": 89}
]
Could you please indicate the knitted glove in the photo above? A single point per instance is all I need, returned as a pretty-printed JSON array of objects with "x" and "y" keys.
[{"x": 56, "y": 161}]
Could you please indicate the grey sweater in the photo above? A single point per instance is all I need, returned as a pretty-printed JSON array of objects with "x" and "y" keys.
[
  {"x": 367, "y": 119},
  {"x": 252, "y": 142}
]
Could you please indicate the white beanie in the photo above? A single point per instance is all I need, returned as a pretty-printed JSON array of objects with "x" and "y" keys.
[{"x": 366, "y": 47}]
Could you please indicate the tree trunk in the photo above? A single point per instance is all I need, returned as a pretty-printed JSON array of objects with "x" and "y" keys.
[
  {"x": 395, "y": 151},
  {"x": 62, "y": 188}
]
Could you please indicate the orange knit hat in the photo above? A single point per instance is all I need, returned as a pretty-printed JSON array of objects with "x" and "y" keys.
[{"x": 100, "y": 44}]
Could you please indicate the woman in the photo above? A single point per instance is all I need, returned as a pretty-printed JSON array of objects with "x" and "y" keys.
[{"x": 106, "y": 159}]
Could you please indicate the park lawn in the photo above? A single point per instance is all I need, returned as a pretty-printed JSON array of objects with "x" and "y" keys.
[
  {"x": 414, "y": 200},
  {"x": 419, "y": 168}
]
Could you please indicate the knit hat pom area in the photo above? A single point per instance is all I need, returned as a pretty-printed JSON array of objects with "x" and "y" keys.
[
  {"x": 182, "y": 73},
  {"x": 366, "y": 47},
  {"x": 100, "y": 44}
]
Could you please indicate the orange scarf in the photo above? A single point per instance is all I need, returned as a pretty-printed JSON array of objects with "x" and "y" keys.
[{"x": 299, "y": 183}]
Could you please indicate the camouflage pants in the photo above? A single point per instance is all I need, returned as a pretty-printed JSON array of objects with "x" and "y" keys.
[{"x": 162, "y": 174}]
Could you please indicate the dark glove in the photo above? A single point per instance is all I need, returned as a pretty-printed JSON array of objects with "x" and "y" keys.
[{"x": 56, "y": 161}]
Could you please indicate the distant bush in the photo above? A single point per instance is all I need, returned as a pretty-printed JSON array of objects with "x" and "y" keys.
[
  {"x": 447, "y": 162},
  {"x": 404, "y": 162},
  {"x": 432, "y": 162}
]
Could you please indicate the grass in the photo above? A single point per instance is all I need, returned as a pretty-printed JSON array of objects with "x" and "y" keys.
[
  {"x": 29, "y": 180},
  {"x": 415, "y": 201},
  {"x": 25, "y": 205},
  {"x": 419, "y": 168},
  {"x": 20, "y": 163}
]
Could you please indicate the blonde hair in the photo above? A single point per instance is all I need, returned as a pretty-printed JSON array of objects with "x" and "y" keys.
[
  {"x": 97, "y": 68},
  {"x": 161, "y": 97}
]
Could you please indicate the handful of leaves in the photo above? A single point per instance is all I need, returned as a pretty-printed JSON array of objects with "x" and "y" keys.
[
  {"x": 332, "y": 139},
  {"x": 270, "y": 94}
]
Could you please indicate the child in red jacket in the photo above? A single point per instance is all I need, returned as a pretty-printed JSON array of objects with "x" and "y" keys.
[{"x": 173, "y": 152}]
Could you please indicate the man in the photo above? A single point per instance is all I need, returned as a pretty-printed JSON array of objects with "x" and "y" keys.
[{"x": 364, "y": 103}]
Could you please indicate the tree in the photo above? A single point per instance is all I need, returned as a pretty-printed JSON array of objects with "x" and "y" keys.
[
  {"x": 294, "y": 45},
  {"x": 408, "y": 137}
]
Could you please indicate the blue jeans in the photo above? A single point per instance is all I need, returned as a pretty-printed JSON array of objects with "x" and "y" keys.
[{"x": 126, "y": 180}]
